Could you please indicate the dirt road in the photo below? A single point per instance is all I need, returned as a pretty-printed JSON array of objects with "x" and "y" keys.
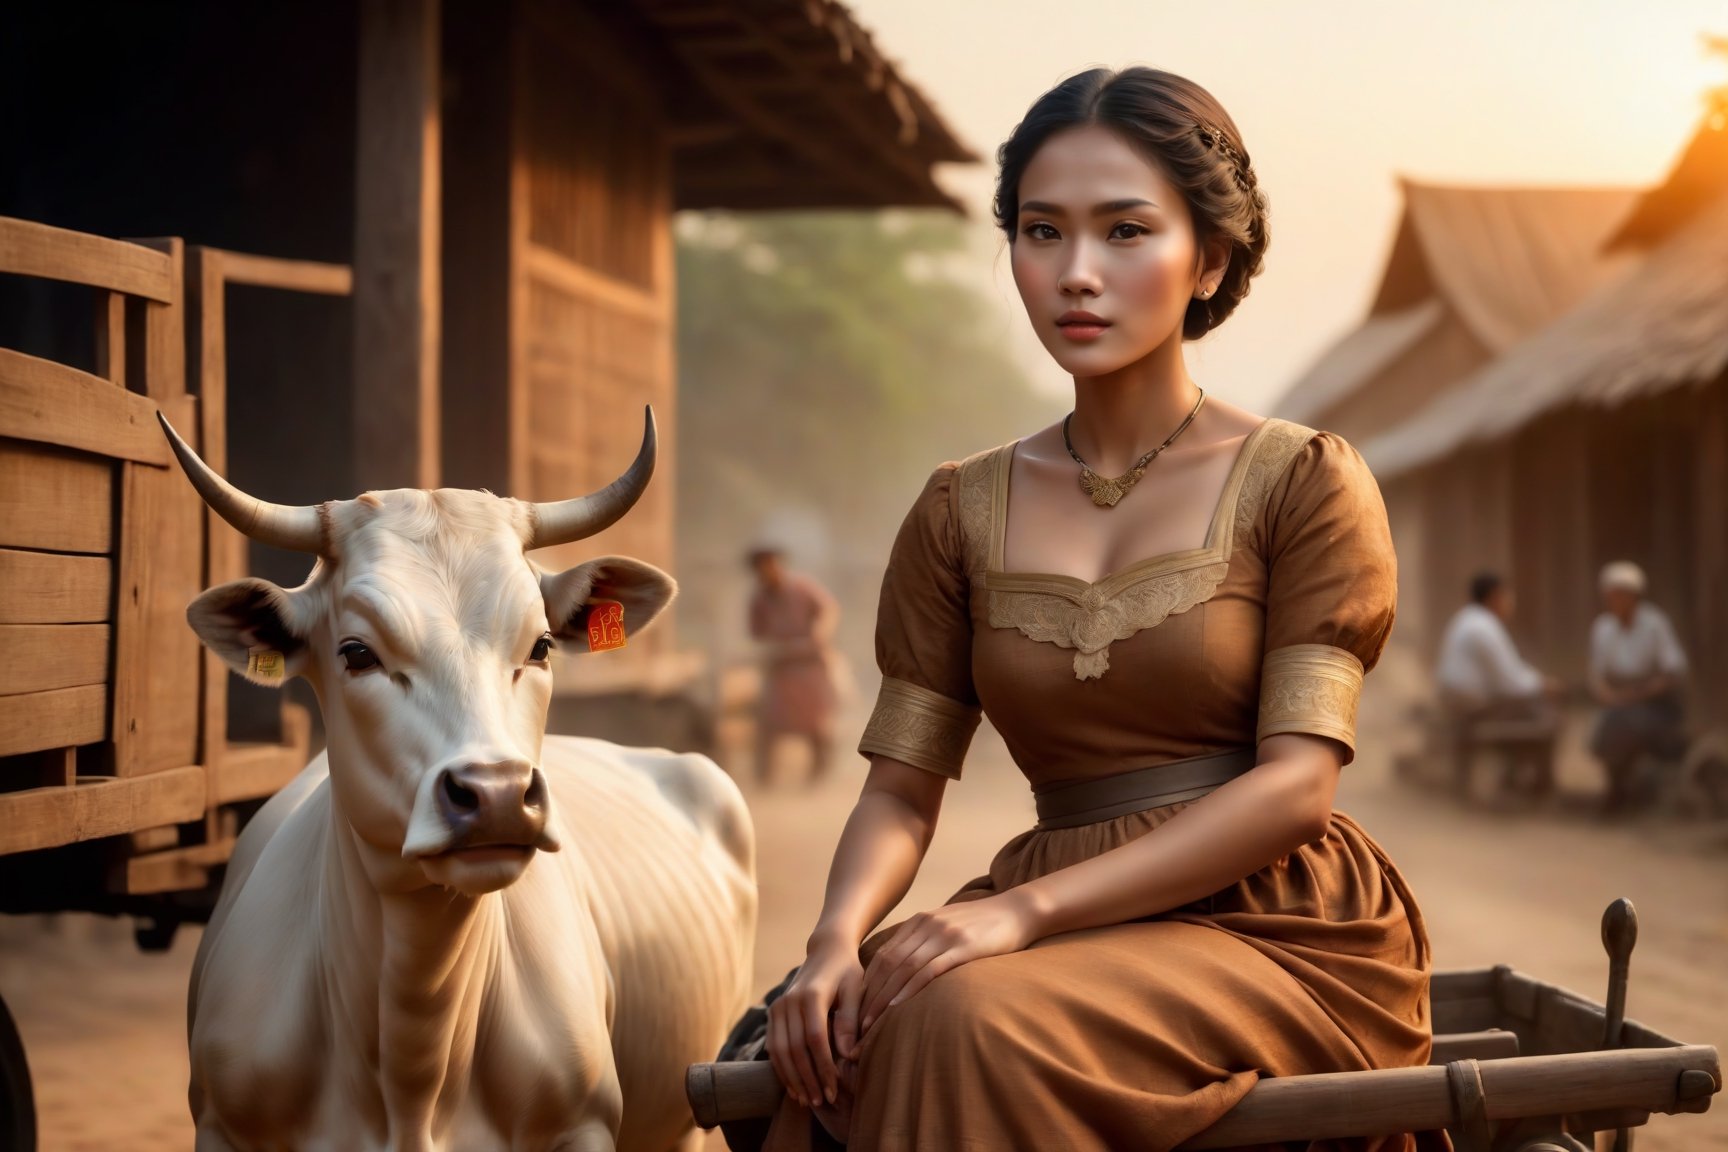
[{"x": 104, "y": 1024}]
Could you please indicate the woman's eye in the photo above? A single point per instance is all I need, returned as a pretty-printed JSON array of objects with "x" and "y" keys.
[
  {"x": 1127, "y": 231},
  {"x": 1040, "y": 232},
  {"x": 357, "y": 656},
  {"x": 542, "y": 649}
]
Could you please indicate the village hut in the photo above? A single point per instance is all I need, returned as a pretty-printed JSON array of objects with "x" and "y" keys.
[
  {"x": 1604, "y": 436},
  {"x": 1472, "y": 271},
  {"x": 488, "y": 189}
]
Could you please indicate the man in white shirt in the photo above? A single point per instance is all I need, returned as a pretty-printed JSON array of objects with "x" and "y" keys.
[
  {"x": 1482, "y": 678},
  {"x": 1637, "y": 670}
]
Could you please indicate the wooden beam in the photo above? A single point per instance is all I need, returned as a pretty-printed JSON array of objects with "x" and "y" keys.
[
  {"x": 45, "y": 588},
  {"x": 31, "y": 249},
  {"x": 43, "y": 657},
  {"x": 52, "y": 404},
  {"x": 288, "y": 275},
  {"x": 50, "y": 817},
  {"x": 556, "y": 270},
  {"x": 55, "y": 500},
  {"x": 396, "y": 246},
  {"x": 64, "y": 717}
]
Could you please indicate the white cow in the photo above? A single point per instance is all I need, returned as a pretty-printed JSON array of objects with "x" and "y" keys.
[{"x": 452, "y": 931}]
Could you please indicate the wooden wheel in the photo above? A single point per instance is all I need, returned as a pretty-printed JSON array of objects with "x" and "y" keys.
[{"x": 17, "y": 1100}]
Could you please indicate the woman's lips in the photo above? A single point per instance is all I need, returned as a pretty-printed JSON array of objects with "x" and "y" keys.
[{"x": 1081, "y": 327}]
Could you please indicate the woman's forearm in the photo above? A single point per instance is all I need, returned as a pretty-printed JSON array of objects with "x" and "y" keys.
[
  {"x": 879, "y": 853},
  {"x": 1233, "y": 832}
]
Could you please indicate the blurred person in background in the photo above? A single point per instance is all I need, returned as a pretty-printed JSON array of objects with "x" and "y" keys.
[
  {"x": 1637, "y": 670},
  {"x": 1483, "y": 678},
  {"x": 793, "y": 620}
]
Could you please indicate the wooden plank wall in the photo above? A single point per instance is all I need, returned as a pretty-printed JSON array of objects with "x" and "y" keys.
[{"x": 593, "y": 285}]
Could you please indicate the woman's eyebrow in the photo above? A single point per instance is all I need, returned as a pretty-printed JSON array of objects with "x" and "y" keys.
[{"x": 1046, "y": 208}]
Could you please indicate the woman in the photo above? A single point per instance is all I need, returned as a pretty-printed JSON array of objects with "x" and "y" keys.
[
  {"x": 1171, "y": 642},
  {"x": 1637, "y": 671}
]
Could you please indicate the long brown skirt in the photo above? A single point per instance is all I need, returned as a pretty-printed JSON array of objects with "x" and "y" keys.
[{"x": 1139, "y": 1035}]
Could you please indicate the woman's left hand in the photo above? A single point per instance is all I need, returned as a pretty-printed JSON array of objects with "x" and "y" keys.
[{"x": 935, "y": 942}]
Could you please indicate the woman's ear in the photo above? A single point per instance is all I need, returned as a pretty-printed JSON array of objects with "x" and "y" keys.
[
  {"x": 641, "y": 588},
  {"x": 250, "y": 624},
  {"x": 1214, "y": 262}
]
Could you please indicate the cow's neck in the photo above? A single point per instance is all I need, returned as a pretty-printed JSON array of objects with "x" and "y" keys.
[{"x": 409, "y": 968}]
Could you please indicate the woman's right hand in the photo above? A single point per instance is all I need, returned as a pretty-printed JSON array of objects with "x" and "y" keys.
[{"x": 831, "y": 980}]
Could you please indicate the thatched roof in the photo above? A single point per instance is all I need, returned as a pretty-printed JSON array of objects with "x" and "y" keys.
[
  {"x": 1662, "y": 326},
  {"x": 1694, "y": 183},
  {"x": 790, "y": 104},
  {"x": 1504, "y": 261}
]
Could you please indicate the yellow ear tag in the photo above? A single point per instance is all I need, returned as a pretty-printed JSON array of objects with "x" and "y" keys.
[
  {"x": 266, "y": 664},
  {"x": 605, "y": 626}
]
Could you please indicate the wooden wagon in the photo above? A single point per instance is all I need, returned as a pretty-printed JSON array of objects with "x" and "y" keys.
[
  {"x": 1518, "y": 1066},
  {"x": 121, "y": 791}
]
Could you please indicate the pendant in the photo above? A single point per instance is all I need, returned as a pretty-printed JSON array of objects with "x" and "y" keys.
[{"x": 1105, "y": 493}]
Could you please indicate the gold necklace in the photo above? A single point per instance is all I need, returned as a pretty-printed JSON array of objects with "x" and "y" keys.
[{"x": 1106, "y": 492}]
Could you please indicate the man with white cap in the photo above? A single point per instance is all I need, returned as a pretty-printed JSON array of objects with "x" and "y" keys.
[{"x": 1637, "y": 669}]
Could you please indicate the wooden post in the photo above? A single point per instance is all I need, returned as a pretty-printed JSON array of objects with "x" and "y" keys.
[
  {"x": 396, "y": 246},
  {"x": 1710, "y": 555}
]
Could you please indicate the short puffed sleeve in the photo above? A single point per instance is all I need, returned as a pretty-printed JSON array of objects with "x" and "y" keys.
[
  {"x": 927, "y": 710},
  {"x": 1332, "y": 590}
]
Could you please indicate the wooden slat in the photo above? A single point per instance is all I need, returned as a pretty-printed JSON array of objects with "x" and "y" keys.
[
  {"x": 561, "y": 272},
  {"x": 164, "y": 351},
  {"x": 111, "y": 338},
  {"x": 57, "y": 719},
  {"x": 53, "y": 404},
  {"x": 31, "y": 249},
  {"x": 1460, "y": 983},
  {"x": 1466, "y": 1014},
  {"x": 177, "y": 869},
  {"x": 50, "y": 817},
  {"x": 289, "y": 275},
  {"x": 43, "y": 657},
  {"x": 44, "y": 588},
  {"x": 1490, "y": 1044},
  {"x": 54, "y": 499},
  {"x": 156, "y": 656}
]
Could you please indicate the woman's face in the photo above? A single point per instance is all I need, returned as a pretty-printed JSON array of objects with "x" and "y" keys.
[{"x": 1104, "y": 252}]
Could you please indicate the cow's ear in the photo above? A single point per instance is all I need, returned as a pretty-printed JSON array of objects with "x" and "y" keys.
[
  {"x": 251, "y": 625},
  {"x": 642, "y": 588}
]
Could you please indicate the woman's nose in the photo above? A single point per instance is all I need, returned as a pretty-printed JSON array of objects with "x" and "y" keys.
[{"x": 1079, "y": 276}]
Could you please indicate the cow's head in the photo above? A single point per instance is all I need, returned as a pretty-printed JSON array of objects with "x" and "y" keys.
[{"x": 425, "y": 631}]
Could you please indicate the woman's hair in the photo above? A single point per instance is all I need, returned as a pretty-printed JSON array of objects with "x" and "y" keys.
[{"x": 1179, "y": 127}]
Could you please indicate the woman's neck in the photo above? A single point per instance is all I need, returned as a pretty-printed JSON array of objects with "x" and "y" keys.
[{"x": 1120, "y": 416}]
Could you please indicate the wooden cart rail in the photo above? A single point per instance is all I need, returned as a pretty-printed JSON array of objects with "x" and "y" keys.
[
  {"x": 113, "y": 721},
  {"x": 1506, "y": 1048},
  {"x": 1340, "y": 1104}
]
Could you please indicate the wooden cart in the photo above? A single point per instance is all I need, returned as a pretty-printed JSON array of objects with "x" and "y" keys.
[
  {"x": 120, "y": 789},
  {"x": 1518, "y": 1066}
]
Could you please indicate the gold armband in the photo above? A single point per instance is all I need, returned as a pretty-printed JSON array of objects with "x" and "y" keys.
[
  {"x": 919, "y": 727},
  {"x": 1312, "y": 689}
]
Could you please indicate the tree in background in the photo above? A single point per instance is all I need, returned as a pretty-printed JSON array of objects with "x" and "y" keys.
[{"x": 826, "y": 364}]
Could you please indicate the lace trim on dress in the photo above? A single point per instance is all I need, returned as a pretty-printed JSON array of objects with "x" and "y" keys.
[
  {"x": 1088, "y": 618},
  {"x": 919, "y": 727},
  {"x": 1312, "y": 689}
]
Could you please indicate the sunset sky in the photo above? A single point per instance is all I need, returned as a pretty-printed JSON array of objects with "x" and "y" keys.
[{"x": 1336, "y": 99}]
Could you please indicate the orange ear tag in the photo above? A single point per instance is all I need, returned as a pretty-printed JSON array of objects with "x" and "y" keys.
[
  {"x": 265, "y": 664},
  {"x": 605, "y": 626}
]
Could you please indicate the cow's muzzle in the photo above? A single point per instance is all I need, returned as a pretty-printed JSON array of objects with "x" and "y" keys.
[{"x": 504, "y": 805}]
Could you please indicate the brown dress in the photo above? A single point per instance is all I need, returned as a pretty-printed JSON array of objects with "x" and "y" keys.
[{"x": 1140, "y": 1035}]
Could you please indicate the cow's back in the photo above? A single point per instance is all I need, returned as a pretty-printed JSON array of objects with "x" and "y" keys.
[{"x": 667, "y": 843}]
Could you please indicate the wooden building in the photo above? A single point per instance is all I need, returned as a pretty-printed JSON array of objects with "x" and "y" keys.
[
  {"x": 500, "y": 179},
  {"x": 1471, "y": 273},
  {"x": 1604, "y": 436}
]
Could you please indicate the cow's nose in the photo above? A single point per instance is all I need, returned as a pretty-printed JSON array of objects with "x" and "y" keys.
[{"x": 494, "y": 804}]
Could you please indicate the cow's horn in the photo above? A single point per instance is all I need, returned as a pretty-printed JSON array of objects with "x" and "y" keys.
[
  {"x": 283, "y": 525},
  {"x": 562, "y": 521}
]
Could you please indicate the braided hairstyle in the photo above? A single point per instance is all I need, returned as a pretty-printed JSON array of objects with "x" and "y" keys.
[{"x": 1181, "y": 129}]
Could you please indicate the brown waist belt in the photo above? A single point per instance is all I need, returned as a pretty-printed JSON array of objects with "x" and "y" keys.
[{"x": 1089, "y": 801}]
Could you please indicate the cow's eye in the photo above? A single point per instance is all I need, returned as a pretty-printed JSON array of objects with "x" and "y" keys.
[
  {"x": 357, "y": 656},
  {"x": 542, "y": 649}
]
